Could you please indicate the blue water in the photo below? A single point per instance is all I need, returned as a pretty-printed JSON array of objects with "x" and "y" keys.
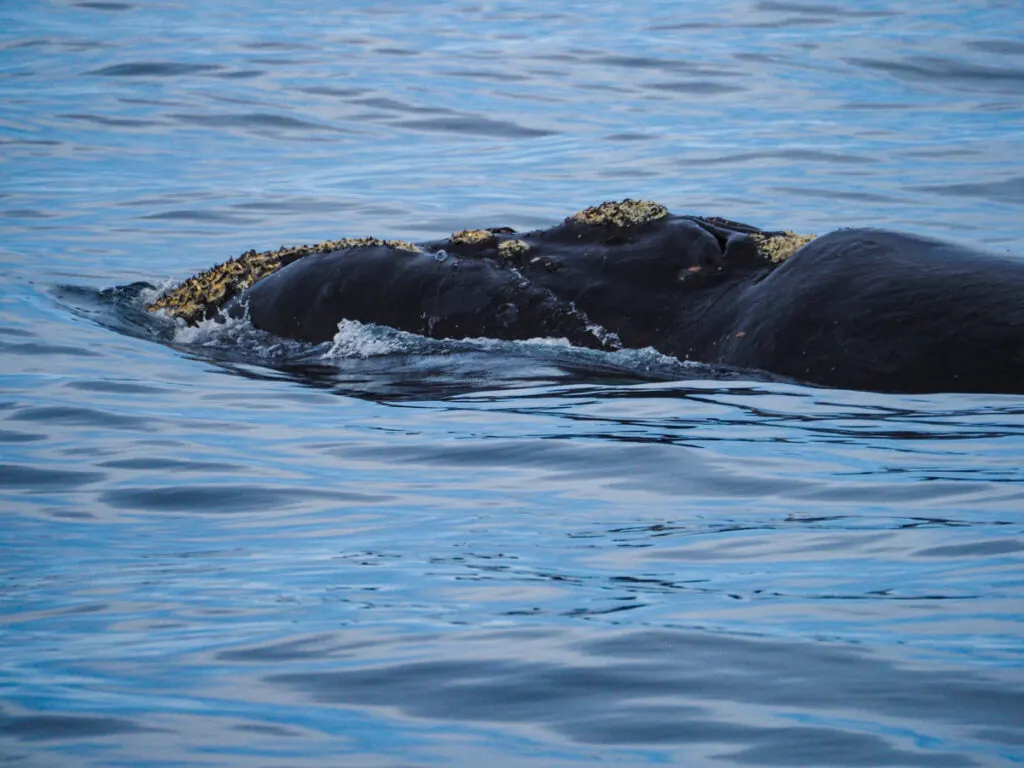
[{"x": 218, "y": 549}]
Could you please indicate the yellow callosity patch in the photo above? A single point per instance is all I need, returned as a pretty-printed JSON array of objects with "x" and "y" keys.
[
  {"x": 471, "y": 237},
  {"x": 627, "y": 213},
  {"x": 512, "y": 250},
  {"x": 202, "y": 295},
  {"x": 778, "y": 248}
]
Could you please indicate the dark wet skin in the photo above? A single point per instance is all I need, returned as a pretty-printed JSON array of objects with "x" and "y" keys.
[
  {"x": 877, "y": 310},
  {"x": 858, "y": 309}
]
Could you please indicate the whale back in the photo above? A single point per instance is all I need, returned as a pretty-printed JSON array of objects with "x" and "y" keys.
[{"x": 879, "y": 310}]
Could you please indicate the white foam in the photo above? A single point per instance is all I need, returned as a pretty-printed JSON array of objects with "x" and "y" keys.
[
  {"x": 648, "y": 359},
  {"x": 148, "y": 295},
  {"x": 610, "y": 339},
  {"x": 211, "y": 332},
  {"x": 364, "y": 340}
]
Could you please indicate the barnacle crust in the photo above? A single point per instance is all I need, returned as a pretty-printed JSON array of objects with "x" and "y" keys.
[
  {"x": 202, "y": 295},
  {"x": 776, "y": 248},
  {"x": 624, "y": 213}
]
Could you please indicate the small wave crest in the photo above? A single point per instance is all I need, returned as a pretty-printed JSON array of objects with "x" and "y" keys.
[
  {"x": 355, "y": 340},
  {"x": 214, "y": 331},
  {"x": 364, "y": 340},
  {"x": 150, "y": 293},
  {"x": 234, "y": 337}
]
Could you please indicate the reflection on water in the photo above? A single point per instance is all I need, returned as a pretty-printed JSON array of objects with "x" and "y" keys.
[{"x": 223, "y": 549}]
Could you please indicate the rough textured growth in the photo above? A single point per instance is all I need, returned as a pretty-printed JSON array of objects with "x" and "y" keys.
[
  {"x": 778, "y": 248},
  {"x": 202, "y": 295},
  {"x": 472, "y": 237},
  {"x": 513, "y": 250},
  {"x": 627, "y": 213},
  {"x": 363, "y": 242}
]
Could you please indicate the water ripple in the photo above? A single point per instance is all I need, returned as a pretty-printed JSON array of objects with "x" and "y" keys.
[{"x": 221, "y": 549}]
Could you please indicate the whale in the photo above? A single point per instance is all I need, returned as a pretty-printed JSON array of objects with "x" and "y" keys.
[{"x": 858, "y": 308}]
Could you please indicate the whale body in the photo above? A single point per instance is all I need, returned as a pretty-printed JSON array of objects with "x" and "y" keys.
[{"x": 857, "y": 308}]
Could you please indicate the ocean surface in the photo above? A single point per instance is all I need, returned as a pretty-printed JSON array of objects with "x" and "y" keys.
[{"x": 220, "y": 549}]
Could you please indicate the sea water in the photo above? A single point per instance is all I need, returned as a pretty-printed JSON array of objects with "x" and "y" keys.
[{"x": 218, "y": 548}]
